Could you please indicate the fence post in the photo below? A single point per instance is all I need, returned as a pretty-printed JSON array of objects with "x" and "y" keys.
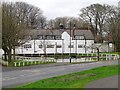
[
  {"x": 91, "y": 54},
  {"x": 103, "y": 56},
  {"x": 7, "y": 63},
  {"x": 15, "y": 64},
  {"x": 114, "y": 57},
  {"x": 36, "y": 62},
  {"x": 41, "y": 61},
  {"x": 117, "y": 57},
  {"x": 23, "y": 63},
  {"x": 90, "y": 59},
  {"x": 19, "y": 64},
  {"x": 27, "y": 62},
  {"x": 106, "y": 57}
]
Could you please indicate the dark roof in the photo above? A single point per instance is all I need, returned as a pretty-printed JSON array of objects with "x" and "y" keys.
[
  {"x": 87, "y": 33},
  {"x": 46, "y": 32}
]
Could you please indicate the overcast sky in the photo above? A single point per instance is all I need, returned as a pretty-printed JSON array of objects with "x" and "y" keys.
[{"x": 56, "y": 8}]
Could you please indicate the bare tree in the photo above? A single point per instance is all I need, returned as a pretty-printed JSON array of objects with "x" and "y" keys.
[
  {"x": 51, "y": 24},
  {"x": 60, "y": 20},
  {"x": 41, "y": 22},
  {"x": 79, "y": 23},
  {"x": 96, "y": 15},
  {"x": 28, "y": 14},
  {"x": 114, "y": 28},
  {"x": 17, "y": 19}
]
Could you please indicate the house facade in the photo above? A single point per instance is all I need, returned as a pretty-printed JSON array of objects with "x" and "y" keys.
[{"x": 58, "y": 42}]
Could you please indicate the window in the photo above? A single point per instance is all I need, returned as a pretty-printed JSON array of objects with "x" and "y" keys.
[
  {"x": 58, "y": 37},
  {"x": 40, "y": 46},
  {"x": 27, "y": 46},
  {"x": 58, "y": 46},
  {"x": 50, "y": 37},
  {"x": 79, "y": 37},
  {"x": 50, "y": 46},
  {"x": 80, "y": 46},
  {"x": 39, "y": 37},
  {"x": 71, "y": 46}
]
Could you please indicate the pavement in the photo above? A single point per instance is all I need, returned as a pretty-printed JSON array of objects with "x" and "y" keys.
[
  {"x": 110, "y": 82},
  {"x": 5, "y": 69},
  {"x": 12, "y": 77}
]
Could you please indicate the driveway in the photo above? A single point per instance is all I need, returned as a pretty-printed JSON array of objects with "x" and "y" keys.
[{"x": 16, "y": 77}]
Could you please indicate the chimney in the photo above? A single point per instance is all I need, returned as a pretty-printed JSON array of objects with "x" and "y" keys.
[
  {"x": 61, "y": 27},
  {"x": 73, "y": 32}
]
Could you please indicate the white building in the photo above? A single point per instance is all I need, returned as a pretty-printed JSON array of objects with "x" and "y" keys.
[
  {"x": 1, "y": 53},
  {"x": 58, "y": 41}
]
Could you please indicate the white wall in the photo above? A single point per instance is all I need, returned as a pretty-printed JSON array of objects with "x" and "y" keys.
[
  {"x": 22, "y": 50},
  {"x": 66, "y": 38},
  {"x": 104, "y": 47},
  {"x": 64, "y": 42},
  {"x": 1, "y": 53},
  {"x": 54, "y": 50}
]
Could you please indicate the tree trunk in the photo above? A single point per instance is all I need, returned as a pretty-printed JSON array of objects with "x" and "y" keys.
[
  {"x": 117, "y": 48},
  {"x": 5, "y": 55},
  {"x": 45, "y": 54},
  {"x": 9, "y": 56},
  {"x": 14, "y": 53},
  {"x": 98, "y": 56}
]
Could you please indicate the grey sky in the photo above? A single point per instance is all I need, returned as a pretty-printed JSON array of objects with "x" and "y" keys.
[{"x": 56, "y": 8}]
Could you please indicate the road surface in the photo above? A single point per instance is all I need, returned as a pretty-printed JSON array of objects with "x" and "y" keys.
[
  {"x": 16, "y": 77},
  {"x": 109, "y": 82}
]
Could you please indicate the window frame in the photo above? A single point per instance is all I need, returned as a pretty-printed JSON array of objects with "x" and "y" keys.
[
  {"x": 27, "y": 46},
  {"x": 79, "y": 37},
  {"x": 50, "y": 46},
  {"x": 81, "y": 46},
  {"x": 58, "y": 37},
  {"x": 40, "y": 46},
  {"x": 58, "y": 46},
  {"x": 72, "y": 46},
  {"x": 50, "y": 37}
]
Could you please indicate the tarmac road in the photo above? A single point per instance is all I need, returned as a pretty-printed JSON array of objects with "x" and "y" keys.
[
  {"x": 110, "y": 82},
  {"x": 16, "y": 77}
]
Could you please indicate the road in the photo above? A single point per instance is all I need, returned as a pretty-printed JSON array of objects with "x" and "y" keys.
[
  {"x": 112, "y": 82},
  {"x": 16, "y": 77}
]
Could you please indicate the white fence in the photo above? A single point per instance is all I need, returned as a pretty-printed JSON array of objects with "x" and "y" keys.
[
  {"x": 110, "y": 56},
  {"x": 33, "y": 62},
  {"x": 29, "y": 61},
  {"x": 25, "y": 61},
  {"x": 5, "y": 63}
]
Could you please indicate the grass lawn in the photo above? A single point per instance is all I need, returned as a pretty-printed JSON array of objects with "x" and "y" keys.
[
  {"x": 110, "y": 53},
  {"x": 75, "y": 80}
]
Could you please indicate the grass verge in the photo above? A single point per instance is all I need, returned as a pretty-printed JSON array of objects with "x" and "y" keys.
[
  {"x": 75, "y": 80},
  {"x": 110, "y": 53}
]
